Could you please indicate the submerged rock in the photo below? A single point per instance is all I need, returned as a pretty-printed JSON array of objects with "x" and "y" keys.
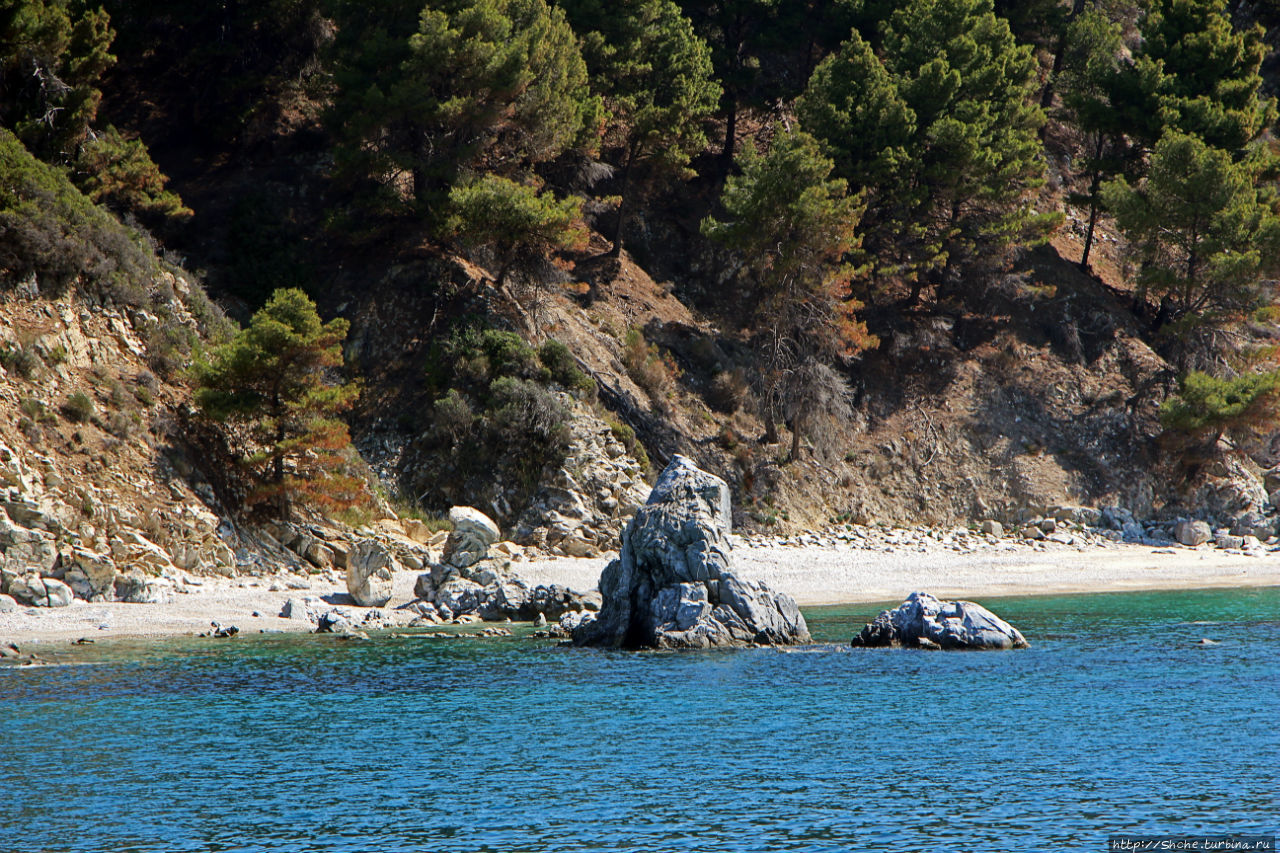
[
  {"x": 672, "y": 586},
  {"x": 926, "y": 622}
]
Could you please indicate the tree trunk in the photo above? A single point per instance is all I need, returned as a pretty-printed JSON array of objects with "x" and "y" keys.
[
  {"x": 623, "y": 207},
  {"x": 1059, "y": 56},
  {"x": 1095, "y": 184},
  {"x": 796, "y": 423},
  {"x": 730, "y": 132}
]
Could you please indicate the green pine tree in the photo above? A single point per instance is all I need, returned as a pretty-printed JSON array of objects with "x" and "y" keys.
[
  {"x": 1202, "y": 235},
  {"x": 953, "y": 112},
  {"x": 794, "y": 225},
  {"x": 270, "y": 385},
  {"x": 515, "y": 221},
  {"x": 492, "y": 85},
  {"x": 658, "y": 84}
]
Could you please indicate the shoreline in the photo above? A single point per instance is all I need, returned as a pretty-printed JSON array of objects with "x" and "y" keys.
[{"x": 816, "y": 576}]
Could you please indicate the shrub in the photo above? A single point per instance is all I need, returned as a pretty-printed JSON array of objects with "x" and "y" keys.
[
  {"x": 521, "y": 410},
  {"x": 35, "y": 410},
  {"x": 1207, "y": 407},
  {"x": 729, "y": 391},
  {"x": 564, "y": 369},
  {"x": 627, "y": 436},
  {"x": 20, "y": 360},
  {"x": 654, "y": 371},
  {"x": 452, "y": 416},
  {"x": 78, "y": 408}
]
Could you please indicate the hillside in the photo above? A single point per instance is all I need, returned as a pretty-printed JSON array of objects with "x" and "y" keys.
[{"x": 541, "y": 354}]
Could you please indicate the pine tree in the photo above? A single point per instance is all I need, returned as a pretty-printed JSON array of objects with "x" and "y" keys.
[
  {"x": 943, "y": 135},
  {"x": 1209, "y": 73},
  {"x": 658, "y": 84},
  {"x": 119, "y": 173},
  {"x": 495, "y": 85},
  {"x": 794, "y": 225},
  {"x": 1204, "y": 237},
  {"x": 515, "y": 221},
  {"x": 51, "y": 64},
  {"x": 270, "y": 384},
  {"x": 1207, "y": 408},
  {"x": 1090, "y": 79}
]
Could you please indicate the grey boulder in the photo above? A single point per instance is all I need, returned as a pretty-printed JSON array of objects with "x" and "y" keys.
[
  {"x": 926, "y": 622},
  {"x": 672, "y": 586},
  {"x": 39, "y": 591},
  {"x": 473, "y": 532},
  {"x": 1192, "y": 533},
  {"x": 370, "y": 573},
  {"x": 136, "y": 588}
]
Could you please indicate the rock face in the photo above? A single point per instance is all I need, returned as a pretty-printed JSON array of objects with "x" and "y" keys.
[
  {"x": 673, "y": 587},
  {"x": 473, "y": 533},
  {"x": 370, "y": 571},
  {"x": 924, "y": 621}
]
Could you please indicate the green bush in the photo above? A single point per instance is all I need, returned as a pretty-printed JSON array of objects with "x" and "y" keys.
[
  {"x": 50, "y": 230},
  {"x": 564, "y": 369},
  {"x": 20, "y": 360},
  {"x": 79, "y": 408},
  {"x": 1208, "y": 407},
  {"x": 627, "y": 436}
]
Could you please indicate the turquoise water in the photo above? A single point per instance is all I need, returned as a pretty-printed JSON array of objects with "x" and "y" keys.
[{"x": 1114, "y": 721}]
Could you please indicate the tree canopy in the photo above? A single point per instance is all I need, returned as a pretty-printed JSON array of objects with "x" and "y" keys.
[{"x": 271, "y": 384}]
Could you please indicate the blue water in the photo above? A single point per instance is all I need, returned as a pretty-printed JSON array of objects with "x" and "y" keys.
[{"x": 1113, "y": 722}]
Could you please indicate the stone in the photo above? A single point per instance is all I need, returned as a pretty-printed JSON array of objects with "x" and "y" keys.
[
  {"x": 458, "y": 595},
  {"x": 91, "y": 576},
  {"x": 992, "y": 528},
  {"x": 7, "y": 604},
  {"x": 1253, "y": 524},
  {"x": 303, "y": 609},
  {"x": 1033, "y": 532},
  {"x": 473, "y": 533},
  {"x": 370, "y": 573},
  {"x": 673, "y": 587},
  {"x": 134, "y": 587},
  {"x": 424, "y": 587},
  {"x": 39, "y": 591},
  {"x": 1226, "y": 541},
  {"x": 945, "y": 624},
  {"x": 511, "y": 599},
  {"x": 1192, "y": 533},
  {"x": 1131, "y": 531}
]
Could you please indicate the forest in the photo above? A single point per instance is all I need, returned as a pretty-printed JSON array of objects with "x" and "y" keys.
[{"x": 858, "y": 166}]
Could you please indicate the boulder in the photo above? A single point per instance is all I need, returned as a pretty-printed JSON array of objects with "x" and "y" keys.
[
  {"x": 7, "y": 604},
  {"x": 136, "y": 588},
  {"x": 370, "y": 571},
  {"x": 1192, "y": 533},
  {"x": 992, "y": 528},
  {"x": 924, "y": 621},
  {"x": 302, "y": 609},
  {"x": 91, "y": 576},
  {"x": 458, "y": 595},
  {"x": 673, "y": 586},
  {"x": 39, "y": 591},
  {"x": 473, "y": 533}
]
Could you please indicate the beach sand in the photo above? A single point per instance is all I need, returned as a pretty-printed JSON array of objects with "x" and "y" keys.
[{"x": 814, "y": 575}]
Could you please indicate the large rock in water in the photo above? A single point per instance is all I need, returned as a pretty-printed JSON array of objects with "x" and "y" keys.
[
  {"x": 924, "y": 621},
  {"x": 673, "y": 587}
]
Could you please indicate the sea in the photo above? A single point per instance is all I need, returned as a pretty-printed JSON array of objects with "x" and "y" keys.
[{"x": 1145, "y": 713}]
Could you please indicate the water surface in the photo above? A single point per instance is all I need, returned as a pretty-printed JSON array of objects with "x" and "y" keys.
[{"x": 1115, "y": 721}]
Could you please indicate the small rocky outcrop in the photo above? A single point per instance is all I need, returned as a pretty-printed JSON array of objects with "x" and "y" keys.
[
  {"x": 39, "y": 591},
  {"x": 673, "y": 587},
  {"x": 470, "y": 582},
  {"x": 923, "y": 621},
  {"x": 371, "y": 569},
  {"x": 473, "y": 533}
]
